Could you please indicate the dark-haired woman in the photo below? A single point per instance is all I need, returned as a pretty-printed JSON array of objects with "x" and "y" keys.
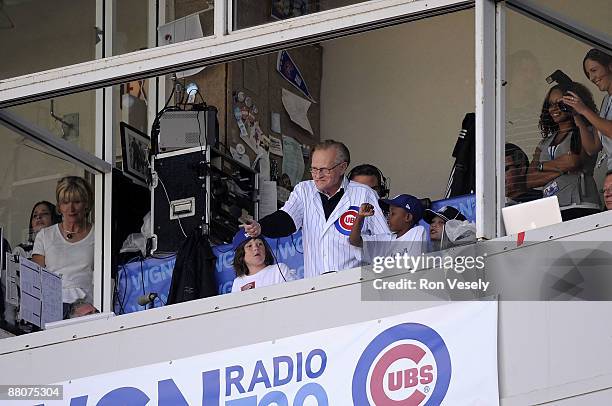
[
  {"x": 597, "y": 66},
  {"x": 560, "y": 164},
  {"x": 255, "y": 267},
  {"x": 43, "y": 215}
]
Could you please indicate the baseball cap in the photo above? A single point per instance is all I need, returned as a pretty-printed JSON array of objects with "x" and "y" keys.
[
  {"x": 407, "y": 202},
  {"x": 240, "y": 238},
  {"x": 445, "y": 213}
]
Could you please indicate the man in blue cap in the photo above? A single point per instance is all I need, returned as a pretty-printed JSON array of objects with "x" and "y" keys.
[{"x": 405, "y": 212}]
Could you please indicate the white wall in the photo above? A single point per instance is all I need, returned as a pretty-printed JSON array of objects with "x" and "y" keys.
[{"x": 397, "y": 97}]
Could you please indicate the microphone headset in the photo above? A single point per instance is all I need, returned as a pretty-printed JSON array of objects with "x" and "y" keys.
[{"x": 371, "y": 170}]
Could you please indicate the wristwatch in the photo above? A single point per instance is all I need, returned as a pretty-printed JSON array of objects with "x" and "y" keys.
[{"x": 541, "y": 167}]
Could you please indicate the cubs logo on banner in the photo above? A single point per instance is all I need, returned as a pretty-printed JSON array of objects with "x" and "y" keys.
[
  {"x": 407, "y": 364},
  {"x": 345, "y": 222},
  {"x": 443, "y": 355}
]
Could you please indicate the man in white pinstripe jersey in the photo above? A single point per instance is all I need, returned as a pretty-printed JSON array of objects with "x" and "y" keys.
[{"x": 325, "y": 208}]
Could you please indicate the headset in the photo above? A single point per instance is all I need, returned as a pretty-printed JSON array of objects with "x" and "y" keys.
[{"x": 371, "y": 170}]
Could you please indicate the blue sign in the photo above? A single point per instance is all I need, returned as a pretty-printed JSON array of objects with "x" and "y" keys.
[{"x": 142, "y": 277}]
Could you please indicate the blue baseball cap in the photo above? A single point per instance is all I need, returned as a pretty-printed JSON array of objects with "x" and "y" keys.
[
  {"x": 240, "y": 238},
  {"x": 407, "y": 202}
]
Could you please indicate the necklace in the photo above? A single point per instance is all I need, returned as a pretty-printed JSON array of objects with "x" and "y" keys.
[{"x": 70, "y": 234}]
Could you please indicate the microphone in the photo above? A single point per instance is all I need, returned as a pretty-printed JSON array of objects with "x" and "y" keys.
[{"x": 146, "y": 299}]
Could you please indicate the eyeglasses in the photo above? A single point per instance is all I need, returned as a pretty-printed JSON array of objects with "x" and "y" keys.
[
  {"x": 607, "y": 190},
  {"x": 508, "y": 167},
  {"x": 324, "y": 171}
]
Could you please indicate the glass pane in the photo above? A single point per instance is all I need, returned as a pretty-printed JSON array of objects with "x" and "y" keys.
[
  {"x": 395, "y": 104},
  {"x": 131, "y": 33},
  {"x": 40, "y": 35},
  {"x": 70, "y": 117},
  {"x": 248, "y": 13},
  {"x": 549, "y": 155},
  {"x": 185, "y": 20},
  {"x": 593, "y": 14},
  {"x": 356, "y": 90},
  {"x": 30, "y": 175}
]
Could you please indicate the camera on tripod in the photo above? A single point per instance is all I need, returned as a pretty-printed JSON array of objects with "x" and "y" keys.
[{"x": 565, "y": 83}]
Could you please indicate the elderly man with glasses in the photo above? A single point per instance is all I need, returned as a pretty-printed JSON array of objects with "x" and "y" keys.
[{"x": 325, "y": 208}]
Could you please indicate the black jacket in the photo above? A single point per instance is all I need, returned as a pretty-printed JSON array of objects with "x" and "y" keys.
[
  {"x": 463, "y": 175},
  {"x": 194, "y": 272}
]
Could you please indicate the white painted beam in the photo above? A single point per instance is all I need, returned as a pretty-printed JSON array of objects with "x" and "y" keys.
[{"x": 486, "y": 190}]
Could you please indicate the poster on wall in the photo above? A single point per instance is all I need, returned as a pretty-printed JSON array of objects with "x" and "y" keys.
[{"x": 445, "y": 354}]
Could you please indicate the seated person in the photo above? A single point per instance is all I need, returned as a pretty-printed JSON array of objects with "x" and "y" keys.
[
  {"x": 607, "y": 190},
  {"x": 43, "y": 215},
  {"x": 437, "y": 221},
  {"x": 405, "y": 212},
  {"x": 67, "y": 248},
  {"x": 371, "y": 176},
  {"x": 255, "y": 266},
  {"x": 80, "y": 308},
  {"x": 517, "y": 165}
]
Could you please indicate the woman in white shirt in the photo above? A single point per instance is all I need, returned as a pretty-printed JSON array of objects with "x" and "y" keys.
[
  {"x": 255, "y": 266},
  {"x": 67, "y": 248}
]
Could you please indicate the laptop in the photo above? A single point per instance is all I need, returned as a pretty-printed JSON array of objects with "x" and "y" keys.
[{"x": 531, "y": 215}]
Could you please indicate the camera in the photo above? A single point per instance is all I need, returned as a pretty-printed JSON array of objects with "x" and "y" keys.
[{"x": 565, "y": 82}]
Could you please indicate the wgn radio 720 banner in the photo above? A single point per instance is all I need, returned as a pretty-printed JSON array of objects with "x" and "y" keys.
[{"x": 443, "y": 355}]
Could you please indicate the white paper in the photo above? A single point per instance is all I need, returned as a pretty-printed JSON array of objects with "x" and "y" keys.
[
  {"x": 275, "y": 125},
  {"x": 263, "y": 160},
  {"x": 267, "y": 198},
  {"x": 297, "y": 108},
  {"x": 30, "y": 309},
  {"x": 12, "y": 290},
  {"x": 30, "y": 300},
  {"x": 293, "y": 161},
  {"x": 51, "y": 297},
  {"x": 41, "y": 294},
  {"x": 276, "y": 146},
  {"x": 29, "y": 278}
]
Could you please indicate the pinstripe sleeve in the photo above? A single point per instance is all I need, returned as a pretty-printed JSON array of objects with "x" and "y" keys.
[
  {"x": 294, "y": 206},
  {"x": 376, "y": 224}
]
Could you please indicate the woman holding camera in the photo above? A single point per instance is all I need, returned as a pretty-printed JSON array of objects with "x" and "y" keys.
[
  {"x": 560, "y": 164},
  {"x": 597, "y": 66}
]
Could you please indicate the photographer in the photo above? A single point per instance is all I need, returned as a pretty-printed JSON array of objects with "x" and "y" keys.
[
  {"x": 597, "y": 66},
  {"x": 560, "y": 163}
]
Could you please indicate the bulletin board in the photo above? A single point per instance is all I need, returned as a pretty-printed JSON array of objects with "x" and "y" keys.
[{"x": 259, "y": 80}]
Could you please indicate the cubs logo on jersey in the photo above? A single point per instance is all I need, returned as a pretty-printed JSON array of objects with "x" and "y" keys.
[{"x": 345, "y": 222}]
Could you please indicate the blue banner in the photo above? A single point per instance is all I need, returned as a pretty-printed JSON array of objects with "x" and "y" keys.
[{"x": 142, "y": 277}]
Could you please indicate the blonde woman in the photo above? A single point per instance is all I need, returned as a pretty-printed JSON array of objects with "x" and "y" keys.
[{"x": 67, "y": 248}]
